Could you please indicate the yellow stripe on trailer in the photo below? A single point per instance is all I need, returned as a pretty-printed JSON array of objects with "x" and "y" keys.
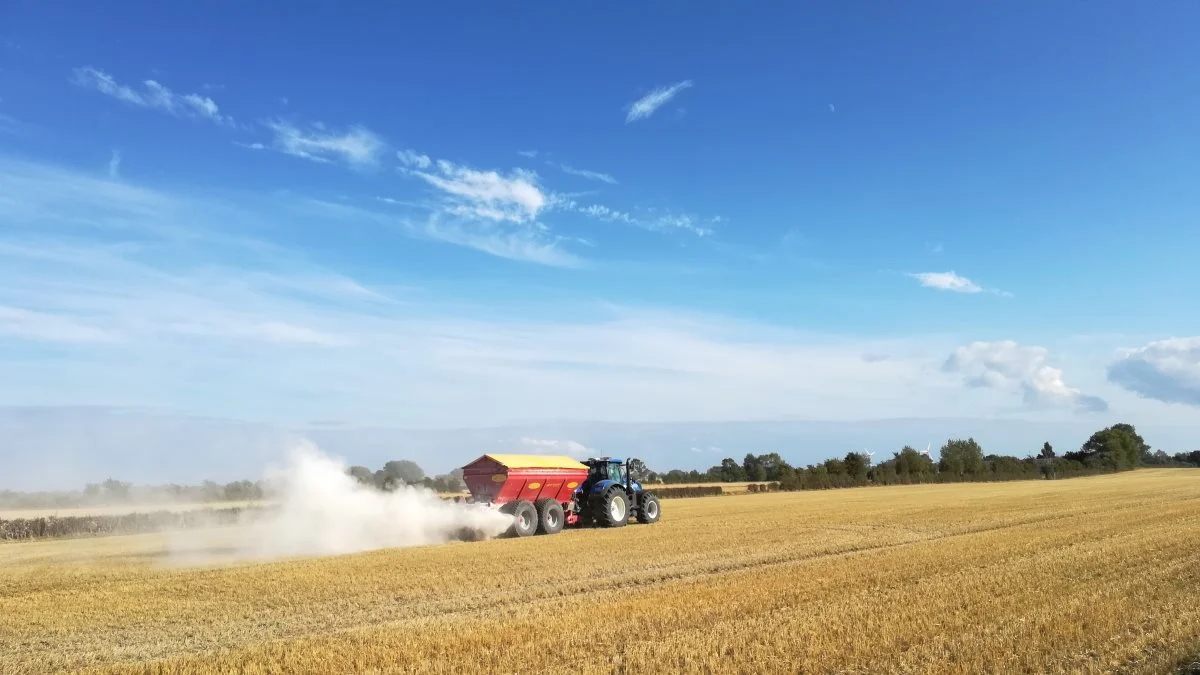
[{"x": 537, "y": 461}]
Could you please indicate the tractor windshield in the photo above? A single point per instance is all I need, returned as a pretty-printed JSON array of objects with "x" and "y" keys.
[{"x": 616, "y": 472}]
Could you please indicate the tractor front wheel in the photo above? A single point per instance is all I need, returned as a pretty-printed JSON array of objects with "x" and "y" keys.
[
  {"x": 525, "y": 518},
  {"x": 649, "y": 511},
  {"x": 550, "y": 516},
  {"x": 611, "y": 509}
]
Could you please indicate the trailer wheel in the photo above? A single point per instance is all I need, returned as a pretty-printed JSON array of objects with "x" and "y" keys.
[
  {"x": 525, "y": 518},
  {"x": 649, "y": 511},
  {"x": 550, "y": 516},
  {"x": 611, "y": 509}
]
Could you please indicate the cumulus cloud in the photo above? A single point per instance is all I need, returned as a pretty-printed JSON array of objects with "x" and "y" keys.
[
  {"x": 152, "y": 95},
  {"x": 1164, "y": 370},
  {"x": 645, "y": 106},
  {"x": 1007, "y": 365},
  {"x": 357, "y": 146}
]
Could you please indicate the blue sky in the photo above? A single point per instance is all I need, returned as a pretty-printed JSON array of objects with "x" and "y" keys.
[{"x": 466, "y": 215}]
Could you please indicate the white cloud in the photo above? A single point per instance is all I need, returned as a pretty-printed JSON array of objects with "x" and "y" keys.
[
  {"x": 951, "y": 281},
  {"x": 590, "y": 175},
  {"x": 646, "y": 105},
  {"x": 414, "y": 159},
  {"x": 1007, "y": 365},
  {"x": 947, "y": 281},
  {"x": 551, "y": 446},
  {"x": 528, "y": 153},
  {"x": 515, "y": 197},
  {"x": 513, "y": 243},
  {"x": 656, "y": 223},
  {"x": 114, "y": 165},
  {"x": 152, "y": 95},
  {"x": 357, "y": 146},
  {"x": 1164, "y": 370}
]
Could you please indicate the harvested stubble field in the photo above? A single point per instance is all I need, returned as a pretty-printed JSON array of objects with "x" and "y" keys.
[{"x": 1094, "y": 574}]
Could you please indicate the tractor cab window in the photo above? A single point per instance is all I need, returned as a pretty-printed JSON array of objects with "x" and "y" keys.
[
  {"x": 616, "y": 472},
  {"x": 598, "y": 472}
]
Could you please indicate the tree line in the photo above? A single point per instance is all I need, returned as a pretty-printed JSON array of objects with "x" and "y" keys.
[
  {"x": 1115, "y": 448},
  {"x": 113, "y": 492}
]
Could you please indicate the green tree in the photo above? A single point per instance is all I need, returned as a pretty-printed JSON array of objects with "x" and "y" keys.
[
  {"x": 406, "y": 471},
  {"x": 1117, "y": 447},
  {"x": 362, "y": 474},
  {"x": 728, "y": 471},
  {"x": 638, "y": 470},
  {"x": 1047, "y": 451},
  {"x": 911, "y": 463},
  {"x": 856, "y": 466},
  {"x": 959, "y": 457}
]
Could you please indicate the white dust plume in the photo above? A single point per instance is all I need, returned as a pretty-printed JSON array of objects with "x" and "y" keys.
[{"x": 317, "y": 509}]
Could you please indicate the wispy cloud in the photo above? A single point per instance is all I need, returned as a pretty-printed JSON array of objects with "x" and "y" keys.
[
  {"x": 553, "y": 446},
  {"x": 528, "y": 153},
  {"x": 654, "y": 222},
  {"x": 47, "y": 327},
  {"x": 951, "y": 281},
  {"x": 590, "y": 175},
  {"x": 522, "y": 244},
  {"x": 414, "y": 159},
  {"x": 515, "y": 196},
  {"x": 136, "y": 313},
  {"x": 1007, "y": 365},
  {"x": 152, "y": 95},
  {"x": 114, "y": 165},
  {"x": 356, "y": 146},
  {"x": 646, "y": 105}
]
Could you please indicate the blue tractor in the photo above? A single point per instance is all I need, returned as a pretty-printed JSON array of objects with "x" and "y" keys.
[{"x": 609, "y": 495}]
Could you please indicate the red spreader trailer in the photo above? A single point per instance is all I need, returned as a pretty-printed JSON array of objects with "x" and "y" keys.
[{"x": 537, "y": 490}]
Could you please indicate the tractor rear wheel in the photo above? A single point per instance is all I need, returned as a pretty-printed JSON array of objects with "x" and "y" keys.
[
  {"x": 525, "y": 518},
  {"x": 649, "y": 512},
  {"x": 611, "y": 509},
  {"x": 550, "y": 516}
]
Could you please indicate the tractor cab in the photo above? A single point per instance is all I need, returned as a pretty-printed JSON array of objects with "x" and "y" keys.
[
  {"x": 606, "y": 468},
  {"x": 609, "y": 495}
]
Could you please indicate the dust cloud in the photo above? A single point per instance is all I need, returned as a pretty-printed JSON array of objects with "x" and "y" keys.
[{"x": 317, "y": 510}]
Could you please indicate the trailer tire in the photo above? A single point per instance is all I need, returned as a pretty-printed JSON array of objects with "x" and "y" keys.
[
  {"x": 650, "y": 511},
  {"x": 525, "y": 518},
  {"x": 550, "y": 516},
  {"x": 611, "y": 508}
]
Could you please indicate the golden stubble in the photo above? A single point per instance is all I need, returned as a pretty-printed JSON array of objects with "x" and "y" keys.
[{"x": 1097, "y": 574}]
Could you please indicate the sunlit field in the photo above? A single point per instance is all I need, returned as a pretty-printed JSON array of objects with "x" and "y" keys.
[{"x": 1095, "y": 574}]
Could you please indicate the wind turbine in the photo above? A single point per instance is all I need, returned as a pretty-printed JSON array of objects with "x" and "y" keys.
[
  {"x": 926, "y": 453},
  {"x": 870, "y": 456}
]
